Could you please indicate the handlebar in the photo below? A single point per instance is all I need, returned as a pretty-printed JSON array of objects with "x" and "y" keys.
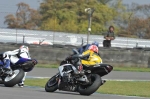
[{"x": 80, "y": 56}]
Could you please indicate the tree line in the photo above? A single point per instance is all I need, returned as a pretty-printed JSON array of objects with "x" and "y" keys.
[{"x": 70, "y": 16}]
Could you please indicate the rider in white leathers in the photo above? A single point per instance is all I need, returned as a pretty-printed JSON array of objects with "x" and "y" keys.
[{"x": 18, "y": 56}]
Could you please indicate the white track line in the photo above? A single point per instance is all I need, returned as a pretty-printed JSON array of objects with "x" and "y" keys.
[
  {"x": 127, "y": 96},
  {"x": 125, "y": 80},
  {"x": 35, "y": 77}
]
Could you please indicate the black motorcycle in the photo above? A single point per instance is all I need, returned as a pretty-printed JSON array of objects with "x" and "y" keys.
[
  {"x": 11, "y": 77},
  {"x": 86, "y": 82}
]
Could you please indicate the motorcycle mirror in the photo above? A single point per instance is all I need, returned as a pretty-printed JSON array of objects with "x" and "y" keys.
[{"x": 75, "y": 51}]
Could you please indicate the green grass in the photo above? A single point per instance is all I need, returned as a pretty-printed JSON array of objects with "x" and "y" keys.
[
  {"x": 129, "y": 88},
  {"x": 47, "y": 65},
  {"x": 133, "y": 69},
  {"x": 36, "y": 82}
]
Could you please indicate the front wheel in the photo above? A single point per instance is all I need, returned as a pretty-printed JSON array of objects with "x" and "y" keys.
[
  {"x": 90, "y": 89},
  {"x": 52, "y": 84},
  {"x": 10, "y": 81}
]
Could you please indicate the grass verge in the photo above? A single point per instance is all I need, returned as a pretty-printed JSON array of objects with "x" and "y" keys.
[
  {"x": 36, "y": 82},
  {"x": 133, "y": 69},
  {"x": 129, "y": 88},
  {"x": 47, "y": 65}
]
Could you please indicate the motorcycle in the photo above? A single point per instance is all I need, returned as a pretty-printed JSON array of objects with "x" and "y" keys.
[
  {"x": 86, "y": 82},
  {"x": 11, "y": 77}
]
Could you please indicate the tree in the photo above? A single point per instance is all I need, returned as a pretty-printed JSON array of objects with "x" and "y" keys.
[
  {"x": 69, "y": 15},
  {"x": 145, "y": 9},
  {"x": 11, "y": 21},
  {"x": 127, "y": 15},
  {"x": 139, "y": 25},
  {"x": 25, "y": 18}
]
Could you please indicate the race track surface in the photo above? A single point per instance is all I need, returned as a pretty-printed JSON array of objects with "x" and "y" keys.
[
  {"x": 114, "y": 75},
  {"x": 39, "y": 93}
]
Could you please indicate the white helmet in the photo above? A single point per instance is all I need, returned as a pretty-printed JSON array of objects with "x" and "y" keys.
[{"x": 24, "y": 48}]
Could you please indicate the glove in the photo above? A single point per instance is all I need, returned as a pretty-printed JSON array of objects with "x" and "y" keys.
[
  {"x": 68, "y": 58},
  {"x": 34, "y": 61}
]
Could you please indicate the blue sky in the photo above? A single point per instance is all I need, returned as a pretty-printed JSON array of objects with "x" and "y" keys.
[
  {"x": 9, "y": 6},
  {"x": 137, "y": 1}
]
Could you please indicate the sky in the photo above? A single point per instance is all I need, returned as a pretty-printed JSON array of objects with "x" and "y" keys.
[
  {"x": 136, "y": 1},
  {"x": 9, "y": 6}
]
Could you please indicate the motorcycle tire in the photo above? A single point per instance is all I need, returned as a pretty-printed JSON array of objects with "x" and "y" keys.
[
  {"x": 52, "y": 84},
  {"x": 1, "y": 81},
  {"x": 11, "y": 81},
  {"x": 88, "y": 90}
]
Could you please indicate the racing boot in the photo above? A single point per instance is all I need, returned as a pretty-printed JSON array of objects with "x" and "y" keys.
[
  {"x": 103, "y": 81},
  {"x": 21, "y": 84}
]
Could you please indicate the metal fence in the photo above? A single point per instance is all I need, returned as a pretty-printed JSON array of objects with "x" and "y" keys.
[{"x": 51, "y": 37}]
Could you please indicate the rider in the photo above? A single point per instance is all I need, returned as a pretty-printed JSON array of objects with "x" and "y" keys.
[
  {"x": 19, "y": 56},
  {"x": 85, "y": 47},
  {"x": 5, "y": 62},
  {"x": 94, "y": 58}
]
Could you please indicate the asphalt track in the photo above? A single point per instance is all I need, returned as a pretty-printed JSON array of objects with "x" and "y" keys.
[
  {"x": 114, "y": 75},
  {"x": 39, "y": 93}
]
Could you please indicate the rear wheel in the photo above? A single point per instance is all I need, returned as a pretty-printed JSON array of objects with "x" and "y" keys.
[
  {"x": 90, "y": 89},
  {"x": 14, "y": 79},
  {"x": 52, "y": 84}
]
